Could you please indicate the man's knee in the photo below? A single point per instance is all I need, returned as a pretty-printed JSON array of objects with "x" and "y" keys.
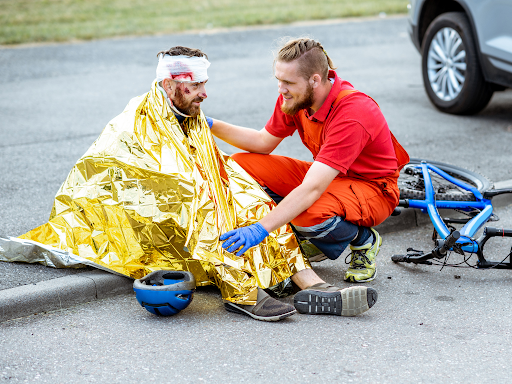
[
  {"x": 332, "y": 230},
  {"x": 315, "y": 216},
  {"x": 239, "y": 157}
]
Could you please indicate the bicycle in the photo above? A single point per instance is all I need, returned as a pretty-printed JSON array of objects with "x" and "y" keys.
[{"x": 431, "y": 185}]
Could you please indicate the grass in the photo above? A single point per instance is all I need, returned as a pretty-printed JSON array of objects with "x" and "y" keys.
[{"x": 26, "y": 21}]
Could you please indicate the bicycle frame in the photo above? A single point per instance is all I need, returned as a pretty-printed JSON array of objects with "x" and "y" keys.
[{"x": 466, "y": 242}]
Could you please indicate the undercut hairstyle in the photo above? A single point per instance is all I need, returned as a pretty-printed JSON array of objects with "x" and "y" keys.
[
  {"x": 310, "y": 54},
  {"x": 179, "y": 50}
]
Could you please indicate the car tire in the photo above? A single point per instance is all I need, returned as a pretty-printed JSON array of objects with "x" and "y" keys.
[{"x": 452, "y": 74}]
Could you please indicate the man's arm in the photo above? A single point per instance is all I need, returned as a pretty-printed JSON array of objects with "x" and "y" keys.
[
  {"x": 246, "y": 139},
  {"x": 316, "y": 181}
]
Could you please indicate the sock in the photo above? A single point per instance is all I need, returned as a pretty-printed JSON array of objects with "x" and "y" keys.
[
  {"x": 364, "y": 236},
  {"x": 370, "y": 239}
]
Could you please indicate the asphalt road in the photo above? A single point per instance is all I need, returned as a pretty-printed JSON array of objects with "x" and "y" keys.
[{"x": 429, "y": 325}]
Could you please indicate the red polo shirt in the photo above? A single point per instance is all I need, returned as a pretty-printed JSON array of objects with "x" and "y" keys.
[{"x": 351, "y": 135}]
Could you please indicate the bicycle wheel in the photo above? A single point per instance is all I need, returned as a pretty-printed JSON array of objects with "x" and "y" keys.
[{"x": 412, "y": 186}]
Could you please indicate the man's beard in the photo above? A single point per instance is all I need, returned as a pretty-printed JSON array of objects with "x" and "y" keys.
[
  {"x": 305, "y": 102},
  {"x": 185, "y": 106}
]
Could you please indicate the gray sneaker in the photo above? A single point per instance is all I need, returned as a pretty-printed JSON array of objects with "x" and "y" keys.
[
  {"x": 266, "y": 308},
  {"x": 326, "y": 299}
]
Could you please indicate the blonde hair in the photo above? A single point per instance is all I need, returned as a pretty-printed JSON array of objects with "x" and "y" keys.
[{"x": 310, "y": 54}]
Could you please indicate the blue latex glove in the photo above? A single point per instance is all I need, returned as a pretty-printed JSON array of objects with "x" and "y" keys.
[
  {"x": 209, "y": 121},
  {"x": 245, "y": 237}
]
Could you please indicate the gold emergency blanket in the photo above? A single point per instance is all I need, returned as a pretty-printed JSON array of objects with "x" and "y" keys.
[{"x": 150, "y": 194}]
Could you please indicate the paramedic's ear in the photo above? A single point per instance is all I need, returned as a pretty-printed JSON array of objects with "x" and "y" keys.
[{"x": 315, "y": 80}]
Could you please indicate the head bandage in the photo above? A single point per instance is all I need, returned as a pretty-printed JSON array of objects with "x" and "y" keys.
[{"x": 182, "y": 68}]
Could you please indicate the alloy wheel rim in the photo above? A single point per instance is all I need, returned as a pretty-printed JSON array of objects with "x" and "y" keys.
[{"x": 446, "y": 64}]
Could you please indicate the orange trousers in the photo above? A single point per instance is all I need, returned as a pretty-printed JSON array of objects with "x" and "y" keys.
[{"x": 363, "y": 202}]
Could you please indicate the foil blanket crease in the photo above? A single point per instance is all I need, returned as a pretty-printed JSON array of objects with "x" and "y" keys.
[{"x": 152, "y": 194}]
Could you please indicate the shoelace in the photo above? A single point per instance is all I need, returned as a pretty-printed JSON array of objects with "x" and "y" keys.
[{"x": 355, "y": 257}]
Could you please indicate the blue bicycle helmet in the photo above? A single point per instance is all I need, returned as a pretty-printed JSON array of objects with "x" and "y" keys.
[{"x": 165, "y": 293}]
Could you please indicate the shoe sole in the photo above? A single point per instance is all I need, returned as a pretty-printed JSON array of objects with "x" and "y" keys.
[
  {"x": 347, "y": 302},
  {"x": 352, "y": 280},
  {"x": 235, "y": 309}
]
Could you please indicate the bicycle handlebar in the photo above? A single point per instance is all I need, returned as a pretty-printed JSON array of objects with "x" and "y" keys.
[
  {"x": 444, "y": 245},
  {"x": 440, "y": 251}
]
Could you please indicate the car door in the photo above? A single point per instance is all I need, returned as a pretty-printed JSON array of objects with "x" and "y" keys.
[{"x": 493, "y": 21}]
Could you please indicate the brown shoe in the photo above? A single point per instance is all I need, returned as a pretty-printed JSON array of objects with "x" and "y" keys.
[{"x": 266, "y": 308}]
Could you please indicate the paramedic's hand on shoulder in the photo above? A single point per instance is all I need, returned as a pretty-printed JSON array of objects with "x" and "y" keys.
[
  {"x": 209, "y": 120},
  {"x": 247, "y": 139},
  {"x": 245, "y": 238}
]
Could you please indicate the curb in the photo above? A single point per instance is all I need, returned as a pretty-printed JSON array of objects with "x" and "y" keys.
[
  {"x": 65, "y": 292},
  {"x": 60, "y": 293}
]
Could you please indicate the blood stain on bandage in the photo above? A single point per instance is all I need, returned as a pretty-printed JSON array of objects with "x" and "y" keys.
[
  {"x": 183, "y": 76},
  {"x": 180, "y": 71}
]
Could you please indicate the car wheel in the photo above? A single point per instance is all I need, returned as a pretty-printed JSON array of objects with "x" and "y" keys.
[{"x": 452, "y": 74}]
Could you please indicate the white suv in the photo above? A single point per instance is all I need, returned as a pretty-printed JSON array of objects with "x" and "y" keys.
[{"x": 466, "y": 49}]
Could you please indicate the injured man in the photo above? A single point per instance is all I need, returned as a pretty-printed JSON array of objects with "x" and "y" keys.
[{"x": 154, "y": 192}]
